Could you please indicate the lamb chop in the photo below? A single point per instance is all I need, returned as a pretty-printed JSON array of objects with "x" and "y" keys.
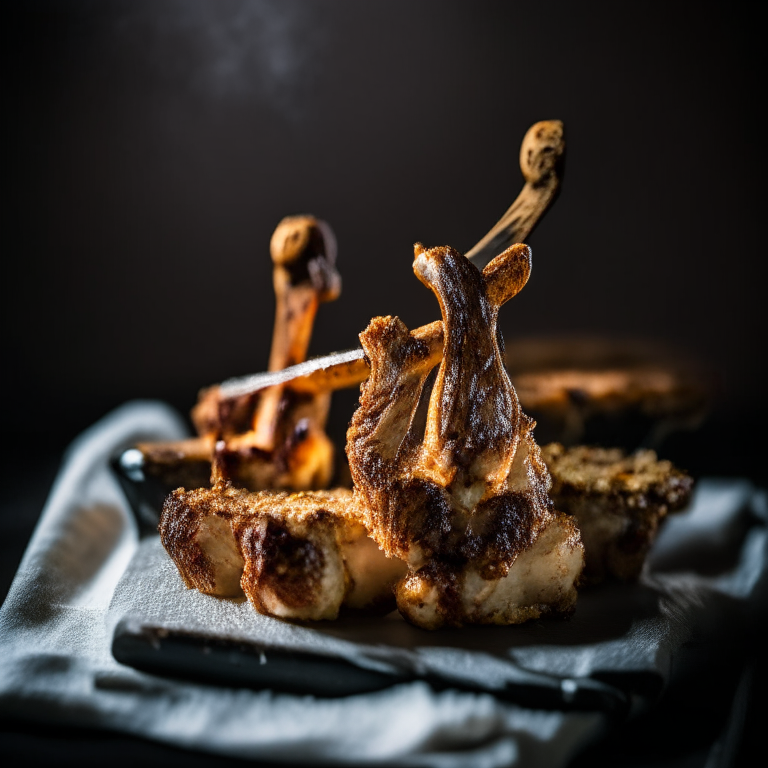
[
  {"x": 463, "y": 498},
  {"x": 273, "y": 437},
  {"x": 198, "y": 529},
  {"x": 619, "y": 502},
  {"x": 295, "y": 555}
]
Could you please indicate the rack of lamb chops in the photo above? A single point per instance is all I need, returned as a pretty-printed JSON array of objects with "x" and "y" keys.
[
  {"x": 267, "y": 431},
  {"x": 459, "y": 497},
  {"x": 450, "y": 517}
]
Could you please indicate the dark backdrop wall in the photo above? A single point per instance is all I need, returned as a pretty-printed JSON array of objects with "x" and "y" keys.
[{"x": 154, "y": 146}]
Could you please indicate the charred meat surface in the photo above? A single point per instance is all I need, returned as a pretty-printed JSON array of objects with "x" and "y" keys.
[
  {"x": 619, "y": 501},
  {"x": 462, "y": 498},
  {"x": 294, "y": 555}
]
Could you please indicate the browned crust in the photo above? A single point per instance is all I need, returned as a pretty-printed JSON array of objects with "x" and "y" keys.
[
  {"x": 290, "y": 566},
  {"x": 301, "y": 443},
  {"x": 444, "y": 574},
  {"x": 276, "y": 533},
  {"x": 180, "y": 519},
  {"x": 620, "y": 501},
  {"x": 638, "y": 480}
]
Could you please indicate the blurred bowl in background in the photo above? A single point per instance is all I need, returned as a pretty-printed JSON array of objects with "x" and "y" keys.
[{"x": 612, "y": 392}]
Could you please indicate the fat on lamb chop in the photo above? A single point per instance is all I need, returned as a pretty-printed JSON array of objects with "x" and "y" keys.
[
  {"x": 298, "y": 556},
  {"x": 273, "y": 438},
  {"x": 464, "y": 498}
]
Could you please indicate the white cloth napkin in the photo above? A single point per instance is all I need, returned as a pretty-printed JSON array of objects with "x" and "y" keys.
[{"x": 57, "y": 623}]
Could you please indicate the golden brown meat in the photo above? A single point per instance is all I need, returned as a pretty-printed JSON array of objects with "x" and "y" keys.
[
  {"x": 462, "y": 498},
  {"x": 296, "y": 556},
  {"x": 618, "y": 500}
]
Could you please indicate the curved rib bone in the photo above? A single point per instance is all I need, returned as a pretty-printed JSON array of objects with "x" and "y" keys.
[{"x": 541, "y": 154}]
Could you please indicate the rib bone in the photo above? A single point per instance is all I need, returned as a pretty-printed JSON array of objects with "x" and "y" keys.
[
  {"x": 303, "y": 251},
  {"x": 541, "y": 155}
]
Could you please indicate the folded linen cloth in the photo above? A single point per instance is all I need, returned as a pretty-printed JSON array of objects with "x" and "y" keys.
[{"x": 87, "y": 576}]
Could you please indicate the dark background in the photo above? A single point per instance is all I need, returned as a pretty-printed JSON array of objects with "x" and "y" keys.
[
  {"x": 152, "y": 147},
  {"x": 155, "y": 145}
]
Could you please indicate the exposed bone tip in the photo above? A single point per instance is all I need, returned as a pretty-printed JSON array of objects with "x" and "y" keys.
[
  {"x": 311, "y": 239},
  {"x": 290, "y": 238},
  {"x": 506, "y": 275},
  {"x": 542, "y": 147},
  {"x": 438, "y": 252},
  {"x": 420, "y": 253}
]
